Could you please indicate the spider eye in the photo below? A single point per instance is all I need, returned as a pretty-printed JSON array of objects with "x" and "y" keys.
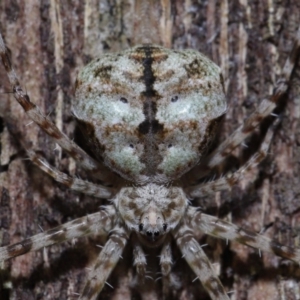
[
  {"x": 174, "y": 99},
  {"x": 149, "y": 233},
  {"x": 124, "y": 100},
  {"x": 141, "y": 226},
  {"x": 156, "y": 233},
  {"x": 165, "y": 226}
]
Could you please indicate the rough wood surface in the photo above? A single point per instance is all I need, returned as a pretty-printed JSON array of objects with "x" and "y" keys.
[{"x": 50, "y": 41}]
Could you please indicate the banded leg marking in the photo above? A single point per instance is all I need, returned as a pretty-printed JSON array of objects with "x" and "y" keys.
[
  {"x": 139, "y": 260},
  {"x": 166, "y": 258},
  {"x": 263, "y": 110},
  {"x": 226, "y": 182},
  {"x": 225, "y": 230},
  {"x": 74, "y": 184},
  {"x": 44, "y": 122},
  {"x": 105, "y": 263},
  {"x": 166, "y": 266},
  {"x": 98, "y": 223},
  {"x": 199, "y": 263}
]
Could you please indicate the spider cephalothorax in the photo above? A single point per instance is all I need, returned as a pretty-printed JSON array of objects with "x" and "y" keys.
[
  {"x": 152, "y": 210},
  {"x": 148, "y": 115}
]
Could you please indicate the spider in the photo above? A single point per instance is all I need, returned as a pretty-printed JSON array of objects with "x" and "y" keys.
[{"x": 149, "y": 147}]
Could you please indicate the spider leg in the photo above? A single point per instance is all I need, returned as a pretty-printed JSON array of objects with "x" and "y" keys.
[
  {"x": 99, "y": 223},
  {"x": 166, "y": 265},
  {"x": 226, "y": 182},
  {"x": 139, "y": 259},
  {"x": 264, "y": 109},
  {"x": 105, "y": 263},
  {"x": 166, "y": 258},
  {"x": 74, "y": 184},
  {"x": 199, "y": 262},
  {"x": 225, "y": 230},
  {"x": 45, "y": 123}
]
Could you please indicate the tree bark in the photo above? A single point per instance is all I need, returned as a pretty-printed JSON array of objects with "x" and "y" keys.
[{"x": 50, "y": 41}]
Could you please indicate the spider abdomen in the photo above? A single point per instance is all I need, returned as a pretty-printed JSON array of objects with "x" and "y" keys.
[{"x": 150, "y": 112}]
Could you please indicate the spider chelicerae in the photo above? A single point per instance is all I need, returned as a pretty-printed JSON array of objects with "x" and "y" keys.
[{"x": 148, "y": 114}]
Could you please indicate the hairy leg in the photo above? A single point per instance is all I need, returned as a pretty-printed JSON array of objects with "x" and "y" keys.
[
  {"x": 105, "y": 263},
  {"x": 99, "y": 223},
  {"x": 166, "y": 265},
  {"x": 264, "y": 109},
  {"x": 75, "y": 184},
  {"x": 199, "y": 262},
  {"x": 221, "y": 229},
  {"x": 139, "y": 259},
  {"x": 166, "y": 258},
  {"x": 225, "y": 183},
  {"x": 46, "y": 124}
]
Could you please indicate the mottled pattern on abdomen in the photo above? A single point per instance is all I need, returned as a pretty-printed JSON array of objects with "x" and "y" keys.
[{"x": 149, "y": 111}]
